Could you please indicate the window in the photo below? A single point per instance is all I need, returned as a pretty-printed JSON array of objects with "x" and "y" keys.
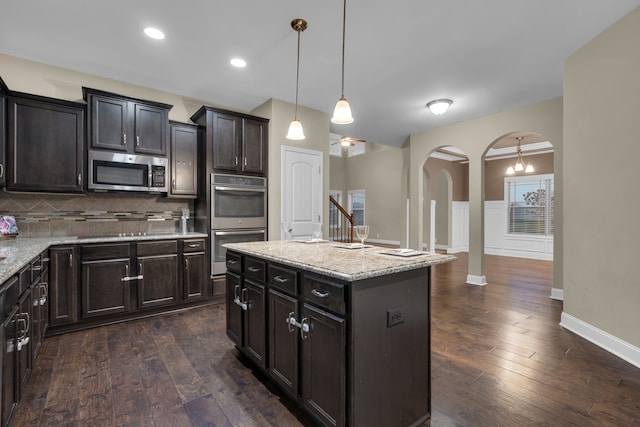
[
  {"x": 335, "y": 217},
  {"x": 356, "y": 206},
  {"x": 530, "y": 204}
]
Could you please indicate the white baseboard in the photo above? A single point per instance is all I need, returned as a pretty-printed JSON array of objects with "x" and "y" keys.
[
  {"x": 457, "y": 249},
  {"x": 381, "y": 241},
  {"x": 557, "y": 294},
  {"x": 605, "y": 340},
  {"x": 476, "y": 280},
  {"x": 519, "y": 254}
]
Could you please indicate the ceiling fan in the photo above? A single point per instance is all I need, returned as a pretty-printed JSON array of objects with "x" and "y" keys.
[{"x": 347, "y": 141}]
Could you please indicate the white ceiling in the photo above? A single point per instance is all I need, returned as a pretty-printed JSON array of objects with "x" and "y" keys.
[{"x": 486, "y": 55}]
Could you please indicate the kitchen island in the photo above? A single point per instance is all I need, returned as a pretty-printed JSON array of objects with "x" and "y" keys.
[{"x": 344, "y": 332}]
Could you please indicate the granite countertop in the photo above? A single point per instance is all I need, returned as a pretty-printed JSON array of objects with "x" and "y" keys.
[
  {"x": 328, "y": 259},
  {"x": 16, "y": 253}
]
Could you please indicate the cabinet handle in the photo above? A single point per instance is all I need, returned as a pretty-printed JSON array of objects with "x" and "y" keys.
[
  {"x": 304, "y": 328},
  {"x": 70, "y": 260},
  {"x": 44, "y": 286},
  {"x": 320, "y": 294},
  {"x": 254, "y": 269},
  {"x": 245, "y": 299},
  {"x": 124, "y": 139},
  {"x": 173, "y": 184},
  {"x": 140, "y": 273},
  {"x": 232, "y": 262},
  {"x": 79, "y": 179},
  {"x": 280, "y": 279},
  {"x": 236, "y": 294},
  {"x": 1, "y": 170},
  {"x": 236, "y": 162},
  {"x": 291, "y": 321},
  {"x": 193, "y": 245},
  {"x": 245, "y": 162},
  {"x": 126, "y": 277},
  {"x": 137, "y": 140},
  {"x": 186, "y": 264}
]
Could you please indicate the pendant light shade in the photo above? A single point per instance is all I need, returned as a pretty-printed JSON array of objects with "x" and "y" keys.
[
  {"x": 342, "y": 112},
  {"x": 295, "y": 128}
]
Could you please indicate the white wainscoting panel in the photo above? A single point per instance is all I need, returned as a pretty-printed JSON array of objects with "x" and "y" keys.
[{"x": 459, "y": 227}]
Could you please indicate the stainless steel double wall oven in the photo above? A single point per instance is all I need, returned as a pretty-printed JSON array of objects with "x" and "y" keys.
[{"x": 238, "y": 214}]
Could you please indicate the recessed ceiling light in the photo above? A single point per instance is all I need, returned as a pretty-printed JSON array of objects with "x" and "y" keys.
[
  {"x": 154, "y": 33},
  {"x": 238, "y": 62}
]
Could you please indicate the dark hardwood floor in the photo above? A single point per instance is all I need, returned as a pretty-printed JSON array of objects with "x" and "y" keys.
[{"x": 499, "y": 359}]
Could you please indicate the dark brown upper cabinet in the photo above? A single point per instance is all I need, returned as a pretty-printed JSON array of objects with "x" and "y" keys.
[
  {"x": 45, "y": 147},
  {"x": 184, "y": 160},
  {"x": 3, "y": 133},
  {"x": 235, "y": 142},
  {"x": 123, "y": 124}
]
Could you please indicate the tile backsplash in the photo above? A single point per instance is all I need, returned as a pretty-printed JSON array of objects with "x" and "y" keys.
[{"x": 93, "y": 214}]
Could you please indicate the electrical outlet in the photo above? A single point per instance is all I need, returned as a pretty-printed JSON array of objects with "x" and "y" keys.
[{"x": 395, "y": 316}]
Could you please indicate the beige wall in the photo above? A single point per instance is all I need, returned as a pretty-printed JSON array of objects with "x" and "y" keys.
[
  {"x": 494, "y": 173},
  {"x": 316, "y": 129},
  {"x": 602, "y": 148},
  {"x": 459, "y": 176},
  {"x": 474, "y": 137}
]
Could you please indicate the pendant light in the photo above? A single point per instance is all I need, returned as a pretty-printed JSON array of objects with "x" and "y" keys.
[
  {"x": 342, "y": 112},
  {"x": 295, "y": 128},
  {"x": 520, "y": 166}
]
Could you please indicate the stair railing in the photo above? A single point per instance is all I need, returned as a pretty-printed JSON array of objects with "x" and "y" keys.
[{"x": 340, "y": 222}]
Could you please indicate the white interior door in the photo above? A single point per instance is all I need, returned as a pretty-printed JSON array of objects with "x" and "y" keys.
[{"x": 301, "y": 190}]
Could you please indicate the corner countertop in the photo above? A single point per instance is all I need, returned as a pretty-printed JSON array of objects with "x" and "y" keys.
[
  {"x": 328, "y": 259},
  {"x": 17, "y": 252}
]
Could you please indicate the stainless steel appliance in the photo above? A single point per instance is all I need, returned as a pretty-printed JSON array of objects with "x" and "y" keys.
[
  {"x": 127, "y": 172},
  {"x": 220, "y": 237},
  {"x": 238, "y": 202}
]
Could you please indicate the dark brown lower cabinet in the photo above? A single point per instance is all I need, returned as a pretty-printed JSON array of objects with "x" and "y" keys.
[
  {"x": 323, "y": 365},
  {"x": 234, "y": 308},
  {"x": 63, "y": 285},
  {"x": 105, "y": 287},
  {"x": 24, "y": 322},
  {"x": 283, "y": 341},
  {"x": 194, "y": 276},
  {"x": 158, "y": 280},
  {"x": 9, "y": 366}
]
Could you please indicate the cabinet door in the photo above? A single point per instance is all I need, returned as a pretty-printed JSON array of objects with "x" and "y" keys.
[
  {"x": 45, "y": 147},
  {"x": 105, "y": 287},
  {"x": 226, "y": 142},
  {"x": 323, "y": 365},
  {"x": 151, "y": 129},
  {"x": 63, "y": 286},
  {"x": 44, "y": 301},
  {"x": 255, "y": 322},
  {"x": 158, "y": 284},
  {"x": 36, "y": 319},
  {"x": 9, "y": 365},
  {"x": 24, "y": 323},
  {"x": 184, "y": 160},
  {"x": 283, "y": 341},
  {"x": 194, "y": 276},
  {"x": 254, "y": 146},
  {"x": 109, "y": 123},
  {"x": 3, "y": 121},
  {"x": 234, "y": 311}
]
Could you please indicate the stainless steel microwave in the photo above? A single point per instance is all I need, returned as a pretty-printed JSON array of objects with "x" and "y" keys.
[{"x": 127, "y": 172}]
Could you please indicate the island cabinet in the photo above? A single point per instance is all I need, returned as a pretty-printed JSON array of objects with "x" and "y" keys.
[
  {"x": 124, "y": 124},
  {"x": 346, "y": 335}
]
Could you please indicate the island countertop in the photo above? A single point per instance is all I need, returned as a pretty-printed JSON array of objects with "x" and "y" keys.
[{"x": 327, "y": 258}]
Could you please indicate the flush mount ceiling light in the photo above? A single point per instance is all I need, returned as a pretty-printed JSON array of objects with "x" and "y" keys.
[
  {"x": 520, "y": 166},
  {"x": 295, "y": 128},
  {"x": 342, "y": 112},
  {"x": 238, "y": 62},
  {"x": 154, "y": 33},
  {"x": 439, "y": 106}
]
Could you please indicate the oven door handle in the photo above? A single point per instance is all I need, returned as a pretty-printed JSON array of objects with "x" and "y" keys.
[
  {"x": 235, "y": 233},
  {"x": 248, "y": 190}
]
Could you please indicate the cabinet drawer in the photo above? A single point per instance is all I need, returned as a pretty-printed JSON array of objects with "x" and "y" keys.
[
  {"x": 196, "y": 245},
  {"x": 254, "y": 269},
  {"x": 25, "y": 278},
  {"x": 324, "y": 294},
  {"x": 9, "y": 295},
  {"x": 234, "y": 262},
  {"x": 157, "y": 248},
  {"x": 283, "y": 278},
  {"x": 105, "y": 251}
]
